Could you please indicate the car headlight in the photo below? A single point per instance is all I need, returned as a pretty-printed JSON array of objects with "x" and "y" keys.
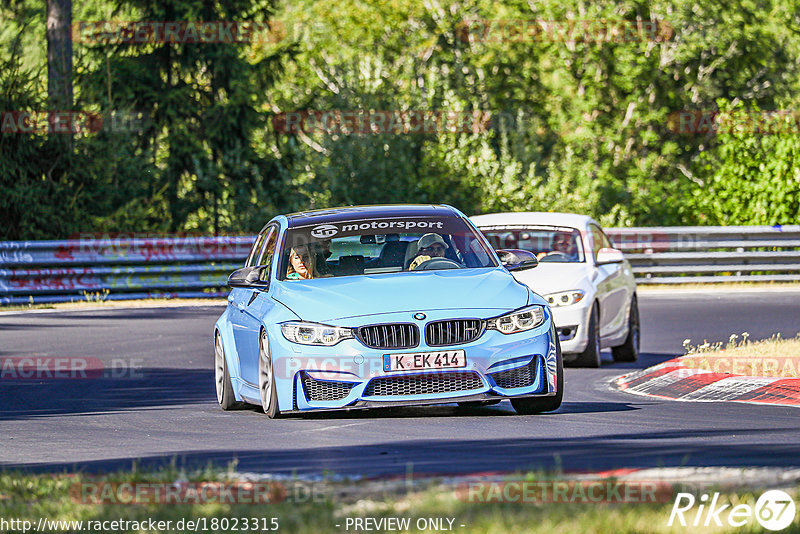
[
  {"x": 517, "y": 321},
  {"x": 314, "y": 334},
  {"x": 565, "y": 298}
]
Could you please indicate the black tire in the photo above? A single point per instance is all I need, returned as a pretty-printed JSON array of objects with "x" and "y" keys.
[
  {"x": 534, "y": 405},
  {"x": 222, "y": 378},
  {"x": 266, "y": 379},
  {"x": 590, "y": 357},
  {"x": 629, "y": 351}
]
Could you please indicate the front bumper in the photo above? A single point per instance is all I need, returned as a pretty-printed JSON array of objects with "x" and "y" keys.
[
  {"x": 572, "y": 325},
  {"x": 351, "y": 375}
]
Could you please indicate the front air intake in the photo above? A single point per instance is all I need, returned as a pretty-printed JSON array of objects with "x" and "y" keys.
[
  {"x": 521, "y": 377},
  {"x": 325, "y": 390},
  {"x": 425, "y": 384}
]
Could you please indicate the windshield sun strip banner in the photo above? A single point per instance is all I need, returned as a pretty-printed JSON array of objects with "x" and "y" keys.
[{"x": 381, "y": 226}]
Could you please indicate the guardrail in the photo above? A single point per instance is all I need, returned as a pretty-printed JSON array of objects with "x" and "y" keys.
[
  {"x": 702, "y": 254},
  {"x": 124, "y": 267},
  {"x": 118, "y": 268}
]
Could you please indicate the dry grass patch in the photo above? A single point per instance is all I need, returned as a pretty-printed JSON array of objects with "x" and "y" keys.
[{"x": 773, "y": 357}]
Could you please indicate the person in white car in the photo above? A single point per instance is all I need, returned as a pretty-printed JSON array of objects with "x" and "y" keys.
[
  {"x": 587, "y": 283},
  {"x": 563, "y": 244}
]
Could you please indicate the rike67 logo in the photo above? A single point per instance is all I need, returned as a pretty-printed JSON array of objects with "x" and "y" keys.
[{"x": 774, "y": 510}]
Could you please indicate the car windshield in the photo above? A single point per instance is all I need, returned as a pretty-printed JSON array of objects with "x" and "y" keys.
[
  {"x": 549, "y": 243},
  {"x": 375, "y": 246}
]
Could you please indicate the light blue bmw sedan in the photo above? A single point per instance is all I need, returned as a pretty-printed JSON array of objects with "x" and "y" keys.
[{"x": 375, "y": 306}]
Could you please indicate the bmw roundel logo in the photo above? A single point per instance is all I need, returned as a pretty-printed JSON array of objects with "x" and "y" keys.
[
  {"x": 324, "y": 230},
  {"x": 419, "y": 316}
]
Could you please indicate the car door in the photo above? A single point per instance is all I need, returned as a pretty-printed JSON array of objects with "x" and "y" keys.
[
  {"x": 250, "y": 306},
  {"x": 238, "y": 297},
  {"x": 612, "y": 292}
]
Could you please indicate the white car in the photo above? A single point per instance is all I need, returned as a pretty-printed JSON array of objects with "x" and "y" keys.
[{"x": 587, "y": 282}]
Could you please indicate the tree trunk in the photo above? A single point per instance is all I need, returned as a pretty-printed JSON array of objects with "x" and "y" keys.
[{"x": 59, "y": 54}]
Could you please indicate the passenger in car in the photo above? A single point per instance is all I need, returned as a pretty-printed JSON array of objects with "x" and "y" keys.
[{"x": 302, "y": 264}]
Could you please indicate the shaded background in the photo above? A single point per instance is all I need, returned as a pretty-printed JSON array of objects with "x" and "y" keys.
[{"x": 580, "y": 121}]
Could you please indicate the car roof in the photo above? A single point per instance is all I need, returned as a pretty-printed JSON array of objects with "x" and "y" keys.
[
  {"x": 532, "y": 218},
  {"x": 349, "y": 213}
]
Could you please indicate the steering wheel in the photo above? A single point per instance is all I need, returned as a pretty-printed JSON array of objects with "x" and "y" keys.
[
  {"x": 556, "y": 256},
  {"x": 438, "y": 263}
]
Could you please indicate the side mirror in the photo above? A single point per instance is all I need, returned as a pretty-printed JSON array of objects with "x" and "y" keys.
[
  {"x": 517, "y": 260},
  {"x": 609, "y": 255},
  {"x": 248, "y": 277}
]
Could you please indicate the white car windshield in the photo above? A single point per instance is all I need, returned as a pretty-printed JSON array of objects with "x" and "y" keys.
[
  {"x": 376, "y": 246},
  {"x": 549, "y": 243}
]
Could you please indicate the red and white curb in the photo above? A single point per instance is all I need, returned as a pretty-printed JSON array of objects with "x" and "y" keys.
[{"x": 673, "y": 380}]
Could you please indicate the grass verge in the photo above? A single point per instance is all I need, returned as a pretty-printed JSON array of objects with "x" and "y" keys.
[{"x": 330, "y": 506}]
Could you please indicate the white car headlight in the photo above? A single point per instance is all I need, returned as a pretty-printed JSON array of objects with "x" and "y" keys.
[
  {"x": 517, "y": 321},
  {"x": 314, "y": 334},
  {"x": 565, "y": 298}
]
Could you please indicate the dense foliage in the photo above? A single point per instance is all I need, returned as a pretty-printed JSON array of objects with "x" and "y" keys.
[{"x": 572, "y": 119}]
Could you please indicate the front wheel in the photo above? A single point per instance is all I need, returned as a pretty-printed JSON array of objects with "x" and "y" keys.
[
  {"x": 266, "y": 379},
  {"x": 629, "y": 351},
  {"x": 534, "y": 405}
]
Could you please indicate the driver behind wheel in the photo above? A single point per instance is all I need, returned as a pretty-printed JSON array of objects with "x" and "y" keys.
[
  {"x": 562, "y": 244},
  {"x": 429, "y": 246}
]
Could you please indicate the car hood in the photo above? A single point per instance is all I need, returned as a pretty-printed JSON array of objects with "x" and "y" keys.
[
  {"x": 327, "y": 299},
  {"x": 555, "y": 277}
]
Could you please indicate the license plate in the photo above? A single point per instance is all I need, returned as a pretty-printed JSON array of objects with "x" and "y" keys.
[{"x": 415, "y": 361}]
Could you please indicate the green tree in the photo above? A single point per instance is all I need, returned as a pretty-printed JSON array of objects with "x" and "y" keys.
[{"x": 753, "y": 177}]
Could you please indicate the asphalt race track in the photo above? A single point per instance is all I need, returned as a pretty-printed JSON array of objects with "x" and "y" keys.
[{"x": 168, "y": 410}]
